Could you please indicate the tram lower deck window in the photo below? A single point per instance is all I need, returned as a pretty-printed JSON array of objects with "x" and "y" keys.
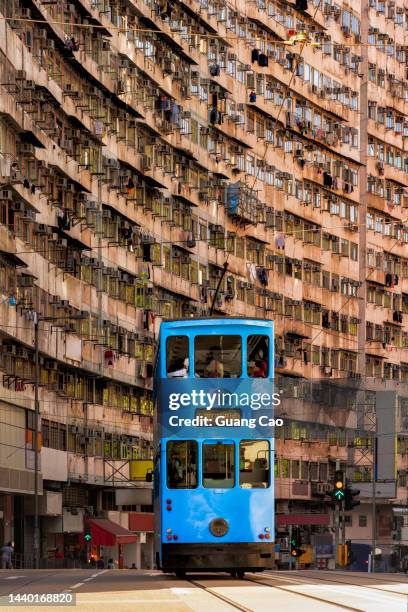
[
  {"x": 254, "y": 464},
  {"x": 182, "y": 464},
  {"x": 218, "y": 465},
  {"x": 218, "y": 356}
]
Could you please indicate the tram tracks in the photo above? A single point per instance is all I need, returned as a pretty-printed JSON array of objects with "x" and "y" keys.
[
  {"x": 330, "y": 579},
  {"x": 238, "y": 606},
  {"x": 223, "y": 598},
  {"x": 307, "y": 595}
]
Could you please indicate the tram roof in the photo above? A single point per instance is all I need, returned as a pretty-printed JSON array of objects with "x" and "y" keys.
[{"x": 217, "y": 321}]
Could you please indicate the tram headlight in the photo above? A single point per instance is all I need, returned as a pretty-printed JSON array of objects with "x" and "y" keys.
[{"x": 218, "y": 527}]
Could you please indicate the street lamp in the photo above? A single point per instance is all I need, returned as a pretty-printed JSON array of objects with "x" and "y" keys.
[{"x": 37, "y": 320}]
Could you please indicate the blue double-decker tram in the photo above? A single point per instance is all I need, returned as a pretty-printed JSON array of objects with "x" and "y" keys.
[{"x": 213, "y": 479}]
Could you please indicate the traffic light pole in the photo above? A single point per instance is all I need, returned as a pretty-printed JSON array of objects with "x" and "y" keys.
[{"x": 290, "y": 548}]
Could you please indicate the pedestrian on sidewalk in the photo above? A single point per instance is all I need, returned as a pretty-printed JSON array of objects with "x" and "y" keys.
[{"x": 5, "y": 554}]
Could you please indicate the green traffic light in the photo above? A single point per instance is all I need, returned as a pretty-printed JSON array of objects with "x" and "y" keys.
[
  {"x": 87, "y": 537},
  {"x": 339, "y": 495}
]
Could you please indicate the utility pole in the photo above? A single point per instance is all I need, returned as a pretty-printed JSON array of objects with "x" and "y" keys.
[
  {"x": 36, "y": 449},
  {"x": 374, "y": 507}
]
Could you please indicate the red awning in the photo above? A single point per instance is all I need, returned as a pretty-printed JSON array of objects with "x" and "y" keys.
[
  {"x": 108, "y": 533},
  {"x": 302, "y": 519},
  {"x": 141, "y": 521}
]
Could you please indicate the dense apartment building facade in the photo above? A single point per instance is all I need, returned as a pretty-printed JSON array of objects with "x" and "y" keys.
[{"x": 143, "y": 144}]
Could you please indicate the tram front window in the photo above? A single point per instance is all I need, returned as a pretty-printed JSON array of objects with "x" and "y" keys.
[
  {"x": 258, "y": 356},
  {"x": 218, "y": 465},
  {"x": 217, "y": 356},
  {"x": 177, "y": 362},
  {"x": 182, "y": 464},
  {"x": 254, "y": 464}
]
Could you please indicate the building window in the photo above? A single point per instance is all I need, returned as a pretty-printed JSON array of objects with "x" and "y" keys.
[{"x": 362, "y": 520}]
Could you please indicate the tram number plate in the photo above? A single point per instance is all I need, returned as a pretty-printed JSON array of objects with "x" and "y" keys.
[{"x": 211, "y": 415}]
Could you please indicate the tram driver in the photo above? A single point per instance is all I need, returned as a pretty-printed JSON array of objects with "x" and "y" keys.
[{"x": 214, "y": 367}]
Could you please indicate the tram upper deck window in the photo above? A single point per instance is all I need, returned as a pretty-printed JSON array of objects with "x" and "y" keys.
[
  {"x": 177, "y": 362},
  {"x": 254, "y": 464},
  {"x": 218, "y": 356},
  {"x": 258, "y": 356},
  {"x": 218, "y": 465},
  {"x": 182, "y": 464}
]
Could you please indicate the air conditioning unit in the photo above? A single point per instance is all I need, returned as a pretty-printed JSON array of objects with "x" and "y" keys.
[
  {"x": 21, "y": 352},
  {"x": 27, "y": 148},
  {"x": 51, "y": 365},
  {"x": 6, "y": 194},
  {"x": 21, "y": 75},
  {"x": 25, "y": 281}
]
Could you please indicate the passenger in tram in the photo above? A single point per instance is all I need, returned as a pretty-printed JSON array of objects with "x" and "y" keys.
[
  {"x": 179, "y": 368},
  {"x": 175, "y": 470},
  {"x": 260, "y": 369}
]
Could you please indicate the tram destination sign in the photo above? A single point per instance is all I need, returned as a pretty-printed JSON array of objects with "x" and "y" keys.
[{"x": 203, "y": 407}]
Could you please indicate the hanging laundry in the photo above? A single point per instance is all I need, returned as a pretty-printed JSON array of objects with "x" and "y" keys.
[
  {"x": 146, "y": 253},
  {"x": 203, "y": 294},
  {"x": 191, "y": 242},
  {"x": 252, "y": 97},
  {"x": 280, "y": 241},
  {"x": 395, "y": 279},
  {"x": 254, "y": 55},
  {"x": 263, "y": 60},
  {"x": 301, "y": 5},
  {"x": 263, "y": 276},
  {"x": 214, "y": 116},
  {"x": 251, "y": 271},
  {"x": 175, "y": 114},
  {"x": 33, "y": 188},
  {"x": 388, "y": 280},
  {"x": 327, "y": 180},
  {"x": 130, "y": 186},
  {"x": 26, "y": 183},
  {"x": 64, "y": 222}
]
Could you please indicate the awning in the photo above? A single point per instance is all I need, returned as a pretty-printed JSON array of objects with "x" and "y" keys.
[
  {"x": 108, "y": 533},
  {"x": 12, "y": 259},
  {"x": 302, "y": 519},
  {"x": 141, "y": 521}
]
